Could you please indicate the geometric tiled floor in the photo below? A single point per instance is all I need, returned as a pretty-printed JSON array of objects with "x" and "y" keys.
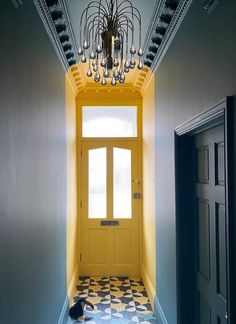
[{"x": 117, "y": 300}]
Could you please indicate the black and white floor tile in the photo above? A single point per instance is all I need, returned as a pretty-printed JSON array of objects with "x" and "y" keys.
[{"x": 117, "y": 300}]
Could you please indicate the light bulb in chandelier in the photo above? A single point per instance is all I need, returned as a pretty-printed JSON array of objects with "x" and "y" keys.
[
  {"x": 89, "y": 73},
  {"x": 127, "y": 65},
  {"x": 140, "y": 52},
  {"x": 83, "y": 59},
  {"x": 99, "y": 49},
  {"x": 103, "y": 63},
  {"x": 132, "y": 61},
  {"x": 106, "y": 73},
  {"x": 97, "y": 77},
  {"x": 95, "y": 67},
  {"x": 111, "y": 26},
  {"x": 113, "y": 81},
  {"x": 122, "y": 77},
  {"x": 132, "y": 50},
  {"x": 92, "y": 55},
  {"x": 85, "y": 44},
  {"x": 104, "y": 82},
  {"x": 140, "y": 65},
  {"x": 80, "y": 51},
  {"x": 116, "y": 74}
]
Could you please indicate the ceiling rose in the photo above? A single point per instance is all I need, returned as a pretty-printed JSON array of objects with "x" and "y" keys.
[{"x": 107, "y": 36}]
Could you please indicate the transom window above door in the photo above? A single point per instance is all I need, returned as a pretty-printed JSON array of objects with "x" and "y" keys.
[{"x": 109, "y": 121}]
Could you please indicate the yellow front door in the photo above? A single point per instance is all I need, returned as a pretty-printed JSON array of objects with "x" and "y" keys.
[{"x": 110, "y": 208}]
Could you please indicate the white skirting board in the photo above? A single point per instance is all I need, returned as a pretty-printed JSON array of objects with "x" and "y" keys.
[
  {"x": 70, "y": 293},
  {"x": 64, "y": 312},
  {"x": 161, "y": 319},
  {"x": 153, "y": 298},
  {"x": 148, "y": 286}
]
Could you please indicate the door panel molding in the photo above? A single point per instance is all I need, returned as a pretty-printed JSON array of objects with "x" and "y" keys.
[
  {"x": 221, "y": 113},
  {"x": 109, "y": 245}
]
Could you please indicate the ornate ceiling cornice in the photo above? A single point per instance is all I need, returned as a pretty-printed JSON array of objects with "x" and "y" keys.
[
  {"x": 57, "y": 24},
  {"x": 56, "y": 21},
  {"x": 165, "y": 22},
  {"x": 17, "y": 3},
  {"x": 94, "y": 90}
]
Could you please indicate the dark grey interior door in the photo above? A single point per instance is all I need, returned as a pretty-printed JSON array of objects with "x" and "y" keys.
[{"x": 211, "y": 227}]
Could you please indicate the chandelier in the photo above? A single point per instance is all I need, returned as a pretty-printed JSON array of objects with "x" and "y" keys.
[{"x": 107, "y": 36}]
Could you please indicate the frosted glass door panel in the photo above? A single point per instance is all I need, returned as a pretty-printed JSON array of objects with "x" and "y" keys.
[
  {"x": 111, "y": 121},
  {"x": 122, "y": 191},
  {"x": 97, "y": 184}
]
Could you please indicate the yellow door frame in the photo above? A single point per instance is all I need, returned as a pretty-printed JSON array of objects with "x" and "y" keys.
[{"x": 108, "y": 102}]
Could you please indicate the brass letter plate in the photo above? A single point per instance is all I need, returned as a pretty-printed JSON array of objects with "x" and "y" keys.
[{"x": 109, "y": 223}]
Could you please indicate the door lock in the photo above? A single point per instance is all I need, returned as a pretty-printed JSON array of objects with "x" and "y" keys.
[{"x": 137, "y": 195}]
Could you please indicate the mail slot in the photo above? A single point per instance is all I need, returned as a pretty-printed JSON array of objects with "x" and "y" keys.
[{"x": 110, "y": 223}]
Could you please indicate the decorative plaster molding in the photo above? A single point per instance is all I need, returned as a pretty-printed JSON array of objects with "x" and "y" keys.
[
  {"x": 161, "y": 19},
  {"x": 165, "y": 22},
  {"x": 210, "y": 5},
  {"x": 56, "y": 20},
  {"x": 162, "y": 32},
  {"x": 175, "y": 23},
  {"x": 142, "y": 79},
  {"x": 50, "y": 27},
  {"x": 212, "y": 116},
  {"x": 17, "y": 3},
  {"x": 94, "y": 90},
  {"x": 146, "y": 81},
  {"x": 69, "y": 27},
  {"x": 153, "y": 23},
  {"x": 59, "y": 33}
]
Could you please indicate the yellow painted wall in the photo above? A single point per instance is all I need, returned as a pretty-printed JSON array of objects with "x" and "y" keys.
[
  {"x": 72, "y": 220},
  {"x": 148, "y": 260},
  {"x": 149, "y": 227}
]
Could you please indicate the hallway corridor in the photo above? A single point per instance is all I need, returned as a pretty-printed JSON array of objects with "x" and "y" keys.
[
  {"x": 104, "y": 168},
  {"x": 116, "y": 299}
]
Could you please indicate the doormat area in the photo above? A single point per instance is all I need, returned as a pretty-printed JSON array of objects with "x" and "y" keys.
[{"x": 117, "y": 300}]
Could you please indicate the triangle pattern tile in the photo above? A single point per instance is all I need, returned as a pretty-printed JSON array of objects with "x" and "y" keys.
[{"x": 117, "y": 300}]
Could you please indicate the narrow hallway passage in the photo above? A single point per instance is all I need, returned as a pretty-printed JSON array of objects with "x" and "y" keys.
[
  {"x": 116, "y": 300},
  {"x": 49, "y": 235}
]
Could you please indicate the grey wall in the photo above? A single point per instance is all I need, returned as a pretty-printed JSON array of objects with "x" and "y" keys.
[
  {"x": 198, "y": 70},
  {"x": 32, "y": 171}
]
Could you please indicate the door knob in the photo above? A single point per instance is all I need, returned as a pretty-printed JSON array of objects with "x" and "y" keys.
[{"x": 136, "y": 181}]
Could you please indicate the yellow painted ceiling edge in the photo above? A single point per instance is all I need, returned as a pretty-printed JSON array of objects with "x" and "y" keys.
[{"x": 135, "y": 84}]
